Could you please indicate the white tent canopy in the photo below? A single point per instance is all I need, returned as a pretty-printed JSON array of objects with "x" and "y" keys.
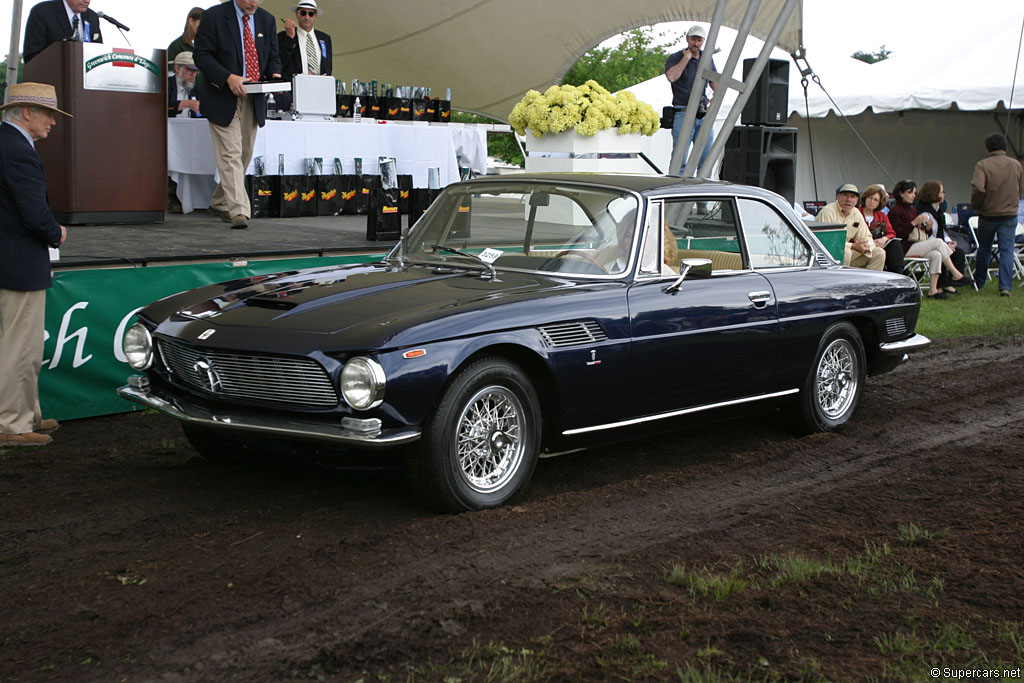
[
  {"x": 490, "y": 52},
  {"x": 924, "y": 117}
]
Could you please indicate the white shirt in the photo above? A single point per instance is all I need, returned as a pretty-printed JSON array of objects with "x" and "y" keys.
[
  {"x": 300, "y": 35},
  {"x": 183, "y": 94}
]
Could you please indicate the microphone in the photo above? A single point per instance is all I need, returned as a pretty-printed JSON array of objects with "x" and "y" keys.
[{"x": 113, "y": 21}]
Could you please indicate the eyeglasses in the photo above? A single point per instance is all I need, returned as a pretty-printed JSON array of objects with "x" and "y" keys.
[{"x": 306, "y": 12}]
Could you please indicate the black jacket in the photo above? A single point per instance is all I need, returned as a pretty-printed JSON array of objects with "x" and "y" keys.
[
  {"x": 48, "y": 23},
  {"x": 291, "y": 54},
  {"x": 172, "y": 97},
  {"x": 218, "y": 54},
  {"x": 27, "y": 225}
]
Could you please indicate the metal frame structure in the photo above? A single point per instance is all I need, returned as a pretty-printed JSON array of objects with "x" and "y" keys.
[{"x": 705, "y": 73}]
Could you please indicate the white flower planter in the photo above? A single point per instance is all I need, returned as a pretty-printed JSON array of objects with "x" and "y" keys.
[{"x": 563, "y": 152}]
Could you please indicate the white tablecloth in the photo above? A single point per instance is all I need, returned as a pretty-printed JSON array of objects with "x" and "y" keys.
[{"x": 416, "y": 148}]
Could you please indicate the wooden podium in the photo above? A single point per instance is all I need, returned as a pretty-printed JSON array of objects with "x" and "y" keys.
[{"x": 108, "y": 164}]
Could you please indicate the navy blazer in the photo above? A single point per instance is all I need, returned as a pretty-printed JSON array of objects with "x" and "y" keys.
[
  {"x": 48, "y": 23},
  {"x": 218, "y": 54},
  {"x": 291, "y": 54},
  {"x": 172, "y": 98},
  {"x": 27, "y": 225}
]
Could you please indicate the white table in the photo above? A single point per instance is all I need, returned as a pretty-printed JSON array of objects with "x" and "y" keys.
[{"x": 416, "y": 148}]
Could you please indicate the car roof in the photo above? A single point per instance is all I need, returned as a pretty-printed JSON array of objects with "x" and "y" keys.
[{"x": 643, "y": 184}]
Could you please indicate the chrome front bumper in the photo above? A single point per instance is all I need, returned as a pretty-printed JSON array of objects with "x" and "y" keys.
[
  {"x": 187, "y": 411},
  {"x": 904, "y": 346}
]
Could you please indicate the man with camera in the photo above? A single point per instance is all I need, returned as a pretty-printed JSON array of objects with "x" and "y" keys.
[{"x": 681, "y": 70}]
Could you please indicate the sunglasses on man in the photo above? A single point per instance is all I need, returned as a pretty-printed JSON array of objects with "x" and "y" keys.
[{"x": 306, "y": 12}]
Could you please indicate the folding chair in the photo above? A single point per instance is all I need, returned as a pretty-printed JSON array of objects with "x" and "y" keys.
[
  {"x": 1018, "y": 250},
  {"x": 918, "y": 269}
]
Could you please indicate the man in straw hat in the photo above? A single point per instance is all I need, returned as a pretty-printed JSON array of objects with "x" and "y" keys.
[
  {"x": 27, "y": 228},
  {"x": 304, "y": 49},
  {"x": 236, "y": 43}
]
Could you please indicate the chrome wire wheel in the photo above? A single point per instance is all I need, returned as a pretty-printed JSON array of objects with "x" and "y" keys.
[
  {"x": 489, "y": 439},
  {"x": 837, "y": 379}
]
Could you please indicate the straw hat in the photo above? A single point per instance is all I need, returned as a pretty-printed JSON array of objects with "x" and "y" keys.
[
  {"x": 33, "y": 95},
  {"x": 186, "y": 60}
]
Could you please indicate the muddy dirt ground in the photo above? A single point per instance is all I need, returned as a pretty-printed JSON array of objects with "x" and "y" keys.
[{"x": 734, "y": 551}]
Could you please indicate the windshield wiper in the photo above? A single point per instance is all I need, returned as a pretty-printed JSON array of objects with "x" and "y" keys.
[{"x": 459, "y": 252}]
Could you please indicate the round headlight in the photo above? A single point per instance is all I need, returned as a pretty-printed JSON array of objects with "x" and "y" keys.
[
  {"x": 362, "y": 383},
  {"x": 138, "y": 346}
]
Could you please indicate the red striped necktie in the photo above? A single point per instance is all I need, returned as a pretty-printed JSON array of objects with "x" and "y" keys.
[{"x": 252, "y": 63}]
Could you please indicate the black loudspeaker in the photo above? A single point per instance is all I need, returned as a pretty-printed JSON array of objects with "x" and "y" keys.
[
  {"x": 764, "y": 156},
  {"x": 770, "y": 97}
]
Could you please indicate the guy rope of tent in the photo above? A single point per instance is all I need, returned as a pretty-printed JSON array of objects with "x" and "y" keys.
[
  {"x": 805, "y": 70},
  {"x": 1013, "y": 85}
]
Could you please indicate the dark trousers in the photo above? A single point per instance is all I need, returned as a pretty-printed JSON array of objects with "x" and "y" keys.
[
  {"x": 894, "y": 256},
  {"x": 959, "y": 260}
]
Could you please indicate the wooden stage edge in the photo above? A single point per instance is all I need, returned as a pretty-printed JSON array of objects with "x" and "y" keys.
[{"x": 201, "y": 237}]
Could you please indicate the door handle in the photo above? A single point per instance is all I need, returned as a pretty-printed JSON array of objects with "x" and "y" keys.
[{"x": 760, "y": 299}]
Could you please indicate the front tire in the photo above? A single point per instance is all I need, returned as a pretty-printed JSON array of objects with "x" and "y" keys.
[
  {"x": 481, "y": 443},
  {"x": 835, "y": 382}
]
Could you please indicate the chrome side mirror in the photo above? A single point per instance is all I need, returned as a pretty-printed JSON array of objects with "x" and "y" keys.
[{"x": 693, "y": 267}]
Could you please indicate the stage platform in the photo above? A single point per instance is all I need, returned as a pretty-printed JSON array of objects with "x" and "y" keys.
[{"x": 202, "y": 237}]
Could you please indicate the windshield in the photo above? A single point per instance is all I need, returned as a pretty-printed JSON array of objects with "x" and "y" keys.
[{"x": 527, "y": 226}]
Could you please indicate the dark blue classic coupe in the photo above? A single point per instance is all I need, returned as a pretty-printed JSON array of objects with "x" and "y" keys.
[{"x": 526, "y": 315}]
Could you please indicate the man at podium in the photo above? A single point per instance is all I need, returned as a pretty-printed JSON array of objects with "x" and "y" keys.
[{"x": 55, "y": 20}]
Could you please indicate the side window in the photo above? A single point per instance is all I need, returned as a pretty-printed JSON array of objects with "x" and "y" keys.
[
  {"x": 771, "y": 240},
  {"x": 702, "y": 228}
]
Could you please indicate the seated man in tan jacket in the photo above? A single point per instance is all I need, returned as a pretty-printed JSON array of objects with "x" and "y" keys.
[{"x": 860, "y": 251}]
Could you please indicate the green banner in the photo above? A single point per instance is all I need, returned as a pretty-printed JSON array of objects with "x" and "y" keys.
[{"x": 88, "y": 311}]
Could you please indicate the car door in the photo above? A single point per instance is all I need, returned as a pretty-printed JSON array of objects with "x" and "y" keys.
[
  {"x": 778, "y": 252},
  {"x": 713, "y": 339}
]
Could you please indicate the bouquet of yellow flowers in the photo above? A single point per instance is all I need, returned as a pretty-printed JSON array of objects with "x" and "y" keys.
[{"x": 586, "y": 109}]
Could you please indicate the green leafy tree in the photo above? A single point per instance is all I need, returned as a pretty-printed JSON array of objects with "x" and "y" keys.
[
  {"x": 635, "y": 59},
  {"x": 872, "y": 57}
]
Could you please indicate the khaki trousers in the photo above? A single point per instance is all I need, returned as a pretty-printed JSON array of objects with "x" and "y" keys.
[
  {"x": 876, "y": 261},
  {"x": 232, "y": 148},
  {"x": 22, "y": 324}
]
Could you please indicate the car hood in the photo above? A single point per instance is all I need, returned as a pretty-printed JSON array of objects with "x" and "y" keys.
[{"x": 369, "y": 306}]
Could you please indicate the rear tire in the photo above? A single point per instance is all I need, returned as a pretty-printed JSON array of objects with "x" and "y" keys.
[
  {"x": 481, "y": 443},
  {"x": 834, "y": 385}
]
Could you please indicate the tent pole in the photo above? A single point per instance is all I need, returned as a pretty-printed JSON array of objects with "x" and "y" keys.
[
  {"x": 718, "y": 148},
  {"x": 12, "y": 55},
  {"x": 743, "y": 32},
  {"x": 697, "y": 91}
]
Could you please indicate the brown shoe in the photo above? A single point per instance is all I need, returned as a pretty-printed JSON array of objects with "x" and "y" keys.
[
  {"x": 239, "y": 222},
  {"x": 224, "y": 215},
  {"x": 47, "y": 426},
  {"x": 27, "y": 439},
  {"x": 1005, "y": 292}
]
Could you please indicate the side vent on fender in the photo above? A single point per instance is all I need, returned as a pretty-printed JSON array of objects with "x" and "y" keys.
[
  {"x": 896, "y": 327},
  {"x": 821, "y": 259},
  {"x": 572, "y": 334}
]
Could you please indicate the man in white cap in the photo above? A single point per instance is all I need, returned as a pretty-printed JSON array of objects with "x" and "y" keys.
[
  {"x": 304, "y": 49},
  {"x": 182, "y": 95},
  {"x": 681, "y": 71},
  {"x": 860, "y": 250},
  {"x": 27, "y": 228}
]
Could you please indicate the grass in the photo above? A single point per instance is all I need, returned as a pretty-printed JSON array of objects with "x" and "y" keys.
[{"x": 972, "y": 314}]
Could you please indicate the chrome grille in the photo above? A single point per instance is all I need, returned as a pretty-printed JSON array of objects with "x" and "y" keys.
[
  {"x": 896, "y": 327},
  {"x": 296, "y": 381},
  {"x": 573, "y": 334}
]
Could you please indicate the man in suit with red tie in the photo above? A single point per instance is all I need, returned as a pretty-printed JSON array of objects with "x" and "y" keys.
[
  {"x": 236, "y": 43},
  {"x": 27, "y": 228},
  {"x": 56, "y": 20}
]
